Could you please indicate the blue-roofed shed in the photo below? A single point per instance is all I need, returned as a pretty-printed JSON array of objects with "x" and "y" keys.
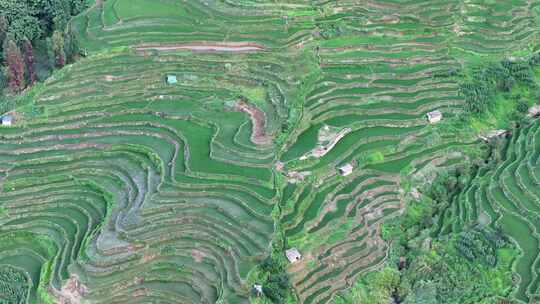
[
  {"x": 171, "y": 79},
  {"x": 7, "y": 120}
]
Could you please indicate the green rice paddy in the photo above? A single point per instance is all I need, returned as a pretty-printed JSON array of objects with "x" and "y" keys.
[{"x": 146, "y": 192}]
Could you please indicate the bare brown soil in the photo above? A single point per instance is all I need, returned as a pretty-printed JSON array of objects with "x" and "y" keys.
[
  {"x": 72, "y": 292},
  {"x": 198, "y": 255},
  {"x": 203, "y": 47},
  {"x": 148, "y": 257},
  {"x": 258, "y": 119},
  {"x": 139, "y": 293}
]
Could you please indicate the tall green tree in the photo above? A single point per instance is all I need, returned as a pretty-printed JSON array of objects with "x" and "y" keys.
[
  {"x": 3, "y": 33},
  {"x": 23, "y": 19},
  {"x": 3, "y": 28},
  {"x": 71, "y": 43},
  {"x": 58, "y": 47}
]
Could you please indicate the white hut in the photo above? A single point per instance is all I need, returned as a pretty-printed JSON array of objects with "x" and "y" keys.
[
  {"x": 415, "y": 193},
  {"x": 171, "y": 79},
  {"x": 534, "y": 111},
  {"x": 257, "y": 288},
  {"x": 7, "y": 120},
  {"x": 345, "y": 169},
  {"x": 293, "y": 255},
  {"x": 434, "y": 116}
]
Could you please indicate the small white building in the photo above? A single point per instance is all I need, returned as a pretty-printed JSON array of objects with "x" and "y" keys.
[
  {"x": 415, "y": 193},
  {"x": 7, "y": 120},
  {"x": 171, "y": 79},
  {"x": 534, "y": 111},
  {"x": 434, "y": 116},
  {"x": 345, "y": 169},
  {"x": 293, "y": 255},
  {"x": 257, "y": 288}
]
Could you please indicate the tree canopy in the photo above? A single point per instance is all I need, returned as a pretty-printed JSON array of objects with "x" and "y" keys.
[
  {"x": 23, "y": 23},
  {"x": 35, "y": 18}
]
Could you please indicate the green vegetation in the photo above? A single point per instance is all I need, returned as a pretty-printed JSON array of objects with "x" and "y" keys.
[
  {"x": 25, "y": 30},
  {"x": 376, "y": 287},
  {"x": 430, "y": 266},
  {"x": 447, "y": 237},
  {"x": 274, "y": 279},
  {"x": 36, "y": 19},
  {"x": 13, "y": 285},
  {"x": 118, "y": 187},
  {"x": 496, "y": 77}
]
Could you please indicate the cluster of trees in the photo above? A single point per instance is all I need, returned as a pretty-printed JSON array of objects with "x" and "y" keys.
[
  {"x": 32, "y": 27},
  {"x": 429, "y": 265},
  {"x": 442, "y": 275},
  {"x": 271, "y": 274},
  {"x": 380, "y": 287},
  {"x": 496, "y": 77},
  {"x": 13, "y": 286},
  {"x": 421, "y": 218},
  {"x": 480, "y": 245},
  {"x": 330, "y": 30},
  {"x": 275, "y": 281}
]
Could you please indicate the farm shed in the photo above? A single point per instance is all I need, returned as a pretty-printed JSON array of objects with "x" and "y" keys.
[
  {"x": 434, "y": 116},
  {"x": 415, "y": 193},
  {"x": 257, "y": 289},
  {"x": 293, "y": 255},
  {"x": 171, "y": 79},
  {"x": 7, "y": 120},
  {"x": 345, "y": 169},
  {"x": 534, "y": 111}
]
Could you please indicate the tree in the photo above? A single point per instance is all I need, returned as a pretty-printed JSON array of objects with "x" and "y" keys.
[
  {"x": 29, "y": 60},
  {"x": 423, "y": 293},
  {"x": 15, "y": 65},
  {"x": 3, "y": 28},
  {"x": 71, "y": 44},
  {"x": 24, "y": 18},
  {"x": 3, "y": 32},
  {"x": 13, "y": 285},
  {"x": 77, "y": 6},
  {"x": 58, "y": 47}
]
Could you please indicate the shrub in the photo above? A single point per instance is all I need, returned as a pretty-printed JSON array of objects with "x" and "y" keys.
[
  {"x": 496, "y": 77},
  {"x": 13, "y": 286}
]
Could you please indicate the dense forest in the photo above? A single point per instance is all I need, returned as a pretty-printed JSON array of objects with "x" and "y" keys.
[{"x": 35, "y": 38}]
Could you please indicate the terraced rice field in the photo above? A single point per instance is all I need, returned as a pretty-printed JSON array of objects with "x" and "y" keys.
[
  {"x": 508, "y": 196},
  {"x": 148, "y": 192}
]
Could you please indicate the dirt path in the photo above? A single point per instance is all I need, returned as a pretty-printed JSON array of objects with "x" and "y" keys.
[
  {"x": 203, "y": 47},
  {"x": 258, "y": 119}
]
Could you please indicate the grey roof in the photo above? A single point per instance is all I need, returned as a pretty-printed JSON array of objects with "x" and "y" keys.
[
  {"x": 293, "y": 255},
  {"x": 346, "y": 169},
  {"x": 434, "y": 116}
]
